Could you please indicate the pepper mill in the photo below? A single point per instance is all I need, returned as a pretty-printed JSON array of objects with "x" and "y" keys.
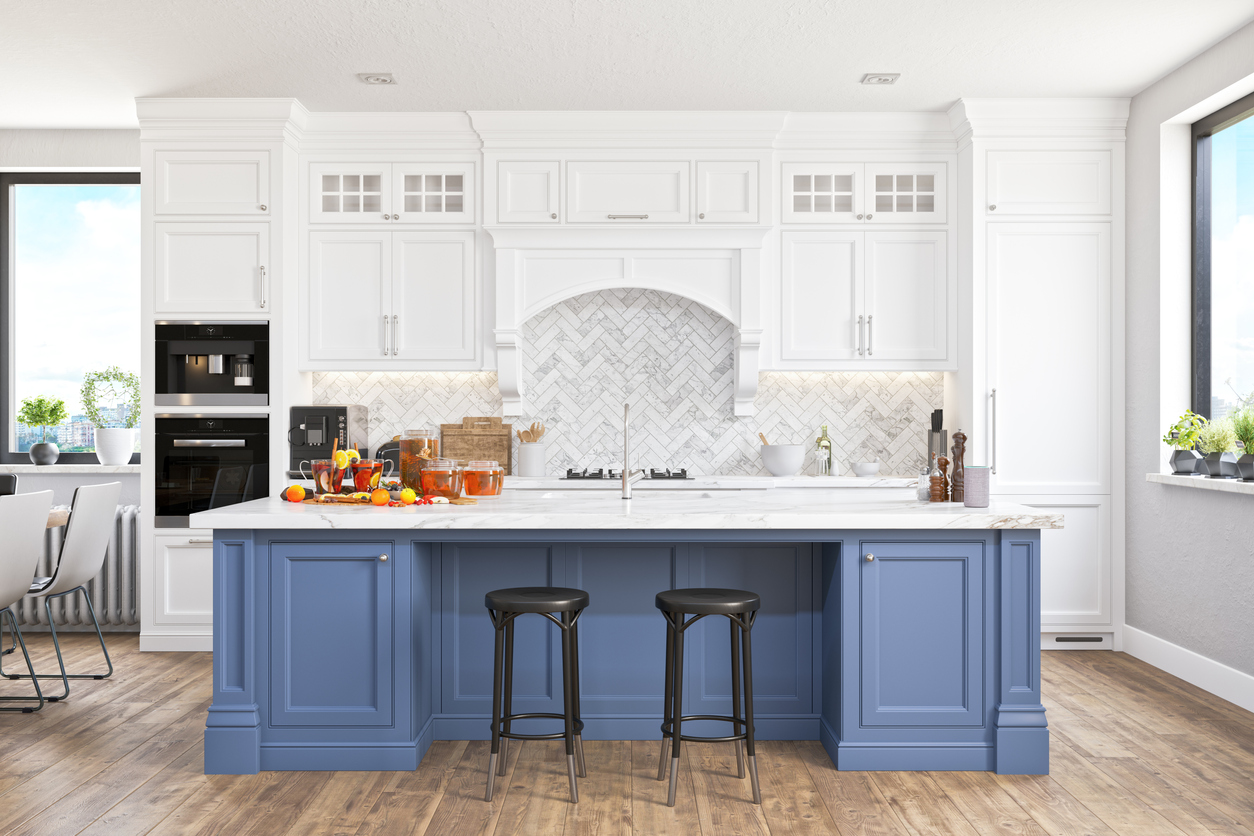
[
  {"x": 944, "y": 470},
  {"x": 957, "y": 483},
  {"x": 936, "y": 494}
]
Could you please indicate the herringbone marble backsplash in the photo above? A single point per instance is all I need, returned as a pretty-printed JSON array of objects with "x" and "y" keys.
[{"x": 671, "y": 359}]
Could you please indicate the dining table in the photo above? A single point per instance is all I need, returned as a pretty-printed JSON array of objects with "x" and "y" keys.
[{"x": 58, "y": 517}]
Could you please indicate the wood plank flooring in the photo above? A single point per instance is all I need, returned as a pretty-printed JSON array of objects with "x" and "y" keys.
[{"x": 1134, "y": 752}]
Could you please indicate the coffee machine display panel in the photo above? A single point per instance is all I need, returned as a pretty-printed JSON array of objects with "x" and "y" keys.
[{"x": 213, "y": 364}]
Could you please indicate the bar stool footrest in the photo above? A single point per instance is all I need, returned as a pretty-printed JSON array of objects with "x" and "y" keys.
[
  {"x": 737, "y": 722},
  {"x": 577, "y": 727}
]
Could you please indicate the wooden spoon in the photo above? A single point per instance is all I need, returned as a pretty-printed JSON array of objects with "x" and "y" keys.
[{"x": 764, "y": 441}]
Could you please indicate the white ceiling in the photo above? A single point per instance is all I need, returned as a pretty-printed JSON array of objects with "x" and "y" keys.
[{"x": 81, "y": 63}]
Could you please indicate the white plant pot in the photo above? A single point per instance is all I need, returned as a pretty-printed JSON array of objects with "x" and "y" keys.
[{"x": 114, "y": 445}]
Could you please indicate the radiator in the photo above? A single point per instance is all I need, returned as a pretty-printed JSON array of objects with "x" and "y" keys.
[{"x": 114, "y": 592}]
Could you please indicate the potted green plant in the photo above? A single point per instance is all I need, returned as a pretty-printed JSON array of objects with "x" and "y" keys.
[
  {"x": 1243, "y": 426},
  {"x": 1182, "y": 437},
  {"x": 43, "y": 412},
  {"x": 1217, "y": 441},
  {"x": 115, "y": 444}
]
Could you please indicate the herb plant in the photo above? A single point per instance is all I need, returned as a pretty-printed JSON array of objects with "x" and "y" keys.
[
  {"x": 1243, "y": 426},
  {"x": 1183, "y": 434},
  {"x": 42, "y": 412},
  {"x": 1217, "y": 437}
]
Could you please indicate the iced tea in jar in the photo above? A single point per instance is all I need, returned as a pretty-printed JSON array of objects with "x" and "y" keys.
[
  {"x": 417, "y": 447},
  {"x": 441, "y": 477},
  {"x": 483, "y": 479}
]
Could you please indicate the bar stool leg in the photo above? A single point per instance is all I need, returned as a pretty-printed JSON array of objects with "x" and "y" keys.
[
  {"x": 508, "y": 696},
  {"x": 677, "y": 712},
  {"x": 735, "y": 678},
  {"x": 568, "y": 709},
  {"x": 496, "y": 711},
  {"x": 667, "y": 714},
  {"x": 753, "y": 761},
  {"x": 582, "y": 767}
]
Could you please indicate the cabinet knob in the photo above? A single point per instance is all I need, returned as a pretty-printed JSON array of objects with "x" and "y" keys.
[
  {"x": 701, "y": 216},
  {"x": 869, "y": 558},
  {"x": 396, "y": 217},
  {"x": 263, "y": 207},
  {"x": 992, "y": 207},
  {"x": 859, "y": 217},
  {"x": 384, "y": 558},
  {"x": 553, "y": 216},
  {"x": 868, "y": 216},
  {"x": 386, "y": 216}
]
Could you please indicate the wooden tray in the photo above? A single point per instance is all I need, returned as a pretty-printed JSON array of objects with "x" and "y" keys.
[{"x": 478, "y": 439}]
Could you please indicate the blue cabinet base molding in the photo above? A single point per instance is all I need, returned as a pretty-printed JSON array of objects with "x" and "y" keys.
[{"x": 354, "y": 650}]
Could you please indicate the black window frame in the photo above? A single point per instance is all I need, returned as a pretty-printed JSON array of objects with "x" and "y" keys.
[
  {"x": 1203, "y": 129},
  {"x": 35, "y": 178}
]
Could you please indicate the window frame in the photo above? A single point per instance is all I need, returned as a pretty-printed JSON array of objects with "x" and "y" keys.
[
  {"x": 1200, "y": 385},
  {"x": 8, "y": 179}
]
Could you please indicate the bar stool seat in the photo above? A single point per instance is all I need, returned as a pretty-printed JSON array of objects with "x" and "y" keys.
[
  {"x": 741, "y": 608},
  {"x": 504, "y": 606}
]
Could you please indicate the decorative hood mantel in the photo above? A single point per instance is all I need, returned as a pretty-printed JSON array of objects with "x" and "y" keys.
[{"x": 719, "y": 268}]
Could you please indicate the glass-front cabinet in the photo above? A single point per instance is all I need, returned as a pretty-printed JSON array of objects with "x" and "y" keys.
[
  {"x": 389, "y": 193},
  {"x": 870, "y": 193}
]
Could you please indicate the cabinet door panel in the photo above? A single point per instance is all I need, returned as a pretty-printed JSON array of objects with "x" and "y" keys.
[
  {"x": 212, "y": 183},
  {"x": 598, "y": 190},
  {"x": 1075, "y": 569},
  {"x": 922, "y": 634},
  {"x": 821, "y": 295},
  {"x": 1048, "y": 183},
  {"x": 433, "y": 193},
  {"x": 331, "y": 625},
  {"x": 349, "y": 294},
  {"x": 433, "y": 295},
  {"x": 183, "y": 580},
  {"x": 821, "y": 193},
  {"x": 350, "y": 193},
  {"x": 727, "y": 192},
  {"x": 906, "y": 302},
  {"x": 210, "y": 267},
  {"x": 1049, "y": 355},
  {"x": 905, "y": 193},
  {"x": 528, "y": 192}
]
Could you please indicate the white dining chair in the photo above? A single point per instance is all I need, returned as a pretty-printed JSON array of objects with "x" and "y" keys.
[
  {"x": 83, "y": 552},
  {"x": 23, "y": 520}
]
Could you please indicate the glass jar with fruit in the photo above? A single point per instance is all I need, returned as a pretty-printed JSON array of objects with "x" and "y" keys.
[
  {"x": 418, "y": 446},
  {"x": 483, "y": 479},
  {"x": 441, "y": 477}
]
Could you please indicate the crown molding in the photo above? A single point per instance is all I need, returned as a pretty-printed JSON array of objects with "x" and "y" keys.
[
  {"x": 1098, "y": 119},
  {"x": 191, "y": 119},
  {"x": 370, "y": 131},
  {"x": 596, "y": 129},
  {"x": 861, "y": 131}
]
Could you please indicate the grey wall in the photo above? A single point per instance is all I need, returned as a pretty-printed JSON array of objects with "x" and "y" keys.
[
  {"x": 1190, "y": 553},
  {"x": 68, "y": 149}
]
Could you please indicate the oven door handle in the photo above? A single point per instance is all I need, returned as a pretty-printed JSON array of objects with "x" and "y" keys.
[{"x": 210, "y": 442}]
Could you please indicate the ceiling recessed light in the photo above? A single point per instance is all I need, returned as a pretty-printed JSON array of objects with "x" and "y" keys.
[
  {"x": 376, "y": 78},
  {"x": 881, "y": 78}
]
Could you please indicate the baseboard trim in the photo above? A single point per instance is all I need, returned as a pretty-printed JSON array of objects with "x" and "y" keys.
[
  {"x": 174, "y": 642},
  {"x": 1229, "y": 683}
]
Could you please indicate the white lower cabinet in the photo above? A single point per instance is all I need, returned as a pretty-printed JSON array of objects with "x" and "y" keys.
[
  {"x": 182, "y": 590},
  {"x": 211, "y": 267},
  {"x": 391, "y": 300}
]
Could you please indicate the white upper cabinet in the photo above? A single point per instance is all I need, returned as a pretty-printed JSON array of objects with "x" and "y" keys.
[
  {"x": 1049, "y": 348},
  {"x": 727, "y": 192},
  {"x": 821, "y": 193},
  {"x": 211, "y": 267},
  {"x": 528, "y": 192},
  {"x": 211, "y": 183},
  {"x": 871, "y": 193},
  {"x": 627, "y": 192},
  {"x": 433, "y": 295},
  {"x": 905, "y": 193},
  {"x": 349, "y": 295},
  {"x": 1048, "y": 183},
  {"x": 387, "y": 193},
  {"x": 863, "y": 300}
]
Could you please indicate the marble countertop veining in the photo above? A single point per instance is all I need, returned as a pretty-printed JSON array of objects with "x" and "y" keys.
[{"x": 780, "y": 509}]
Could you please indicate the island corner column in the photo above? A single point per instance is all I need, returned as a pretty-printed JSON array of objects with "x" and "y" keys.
[{"x": 233, "y": 725}]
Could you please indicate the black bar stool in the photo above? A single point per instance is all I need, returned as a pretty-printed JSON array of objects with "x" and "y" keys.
[
  {"x": 504, "y": 605},
  {"x": 741, "y": 608}
]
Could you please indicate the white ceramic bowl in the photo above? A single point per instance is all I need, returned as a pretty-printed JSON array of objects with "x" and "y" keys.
[
  {"x": 866, "y": 468},
  {"x": 783, "y": 459}
]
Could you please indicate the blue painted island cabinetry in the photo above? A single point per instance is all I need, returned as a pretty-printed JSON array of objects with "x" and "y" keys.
[{"x": 356, "y": 649}]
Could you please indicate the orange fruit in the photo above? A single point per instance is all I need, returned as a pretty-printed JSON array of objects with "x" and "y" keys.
[
  {"x": 408, "y": 496},
  {"x": 295, "y": 494},
  {"x": 380, "y": 497}
]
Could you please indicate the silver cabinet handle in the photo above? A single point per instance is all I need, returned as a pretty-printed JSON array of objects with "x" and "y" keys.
[
  {"x": 869, "y": 558},
  {"x": 701, "y": 217},
  {"x": 868, "y": 216},
  {"x": 194, "y": 541},
  {"x": 386, "y": 216},
  {"x": 992, "y": 207},
  {"x": 263, "y": 208},
  {"x": 553, "y": 216},
  {"x": 859, "y": 217},
  {"x": 386, "y": 341},
  {"x": 396, "y": 334},
  {"x": 383, "y": 557},
  {"x": 262, "y": 279},
  {"x": 993, "y": 434},
  {"x": 861, "y": 352},
  {"x": 396, "y": 217},
  {"x": 870, "y": 336},
  {"x": 628, "y": 217}
]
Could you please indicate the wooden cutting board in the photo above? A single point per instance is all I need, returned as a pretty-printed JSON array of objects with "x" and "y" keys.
[{"x": 477, "y": 439}]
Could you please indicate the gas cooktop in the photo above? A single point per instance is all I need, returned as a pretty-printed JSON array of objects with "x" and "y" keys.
[{"x": 611, "y": 473}]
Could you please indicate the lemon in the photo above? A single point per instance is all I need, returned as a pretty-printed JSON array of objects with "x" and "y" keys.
[
  {"x": 353, "y": 456},
  {"x": 341, "y": 459}
]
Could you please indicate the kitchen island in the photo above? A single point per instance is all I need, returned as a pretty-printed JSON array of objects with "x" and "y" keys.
[{"x": 903, "y": 635}]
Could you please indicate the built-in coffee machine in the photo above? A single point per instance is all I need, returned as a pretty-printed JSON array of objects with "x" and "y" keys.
[
  {"x": 213, "y": 364},
  {"x": 316, "y": 429}
]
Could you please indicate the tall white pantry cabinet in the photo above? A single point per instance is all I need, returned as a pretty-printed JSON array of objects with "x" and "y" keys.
[{"x": 1040, "y": 385}]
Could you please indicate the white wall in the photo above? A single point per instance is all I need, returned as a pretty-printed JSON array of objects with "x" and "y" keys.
[
  {"x": 1190, "y": 553},
  {"x": 49, "y": 149}
]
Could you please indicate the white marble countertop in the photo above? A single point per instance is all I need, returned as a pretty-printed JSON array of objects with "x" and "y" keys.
[
  {"x": 779, "y": 509},
  {"x": 706, "y": 483}
]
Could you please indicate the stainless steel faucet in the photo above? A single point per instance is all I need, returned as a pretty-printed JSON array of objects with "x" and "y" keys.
[{"x": 630, "y": 477}]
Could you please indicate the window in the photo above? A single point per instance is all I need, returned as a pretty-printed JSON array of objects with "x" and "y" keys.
[
  {"x": 69, "y": 299},
  {"x": 1223, "y": 259}
]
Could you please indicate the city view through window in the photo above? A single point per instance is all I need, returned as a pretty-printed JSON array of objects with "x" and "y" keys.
[
  {"x": 75, "y": 280},
  {"x": 1232, "y": 267}
]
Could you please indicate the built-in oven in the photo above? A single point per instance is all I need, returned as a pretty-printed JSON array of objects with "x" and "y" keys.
[{"x": 209, "y": 461}]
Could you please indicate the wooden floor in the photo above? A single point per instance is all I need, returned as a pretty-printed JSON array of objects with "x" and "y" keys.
[{"x": 1134, "y": 751}]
